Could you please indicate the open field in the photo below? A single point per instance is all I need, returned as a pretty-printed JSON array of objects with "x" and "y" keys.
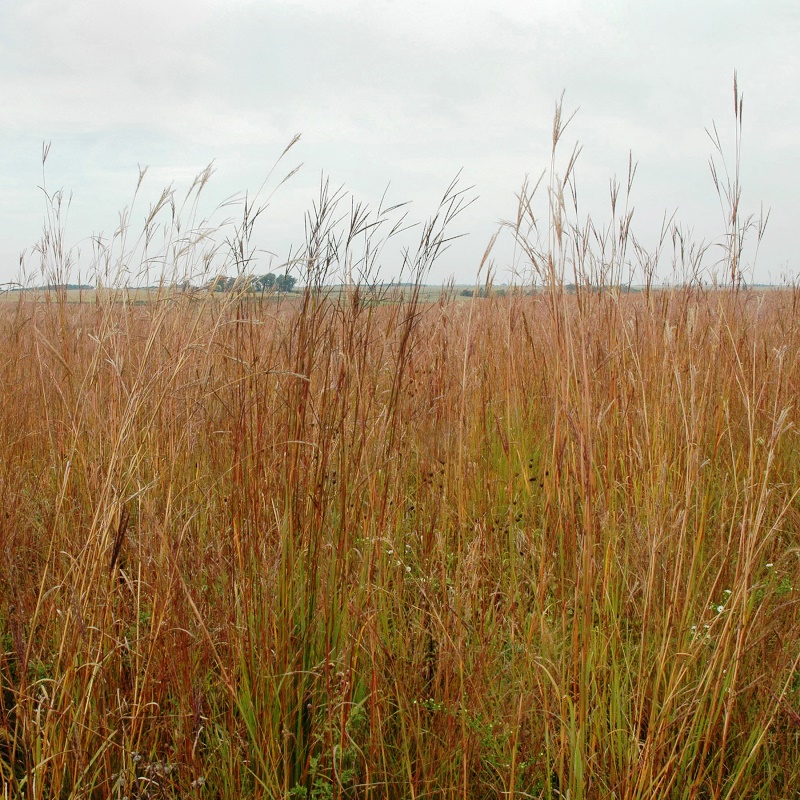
[
  {"x": 539, "y": 546},
  {"x": 140, "y": 296},
  {"x": 85, "y": 296},
  {"x": 352, "y": 543}
]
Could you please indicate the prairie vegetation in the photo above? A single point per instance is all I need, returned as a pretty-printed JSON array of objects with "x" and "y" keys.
[{"x": 540, "y": 545}]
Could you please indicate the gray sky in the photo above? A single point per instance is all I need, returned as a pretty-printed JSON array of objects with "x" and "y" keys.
[{"x": 403, "y": 94}]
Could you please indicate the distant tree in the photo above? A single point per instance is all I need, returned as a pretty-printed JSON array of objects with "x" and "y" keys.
[
  {"x": 222, "y": 283},
  {"x": 266, "y": 282},
  {"x": 285, "y": 283}
]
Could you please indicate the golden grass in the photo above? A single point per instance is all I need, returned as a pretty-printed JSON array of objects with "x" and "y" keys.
[
  {"x": 523, "y": 545},
  {"x": 368, "y": 543}
]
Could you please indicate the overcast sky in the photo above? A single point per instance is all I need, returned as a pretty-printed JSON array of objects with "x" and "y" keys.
[{"x": 397, "y": 93}]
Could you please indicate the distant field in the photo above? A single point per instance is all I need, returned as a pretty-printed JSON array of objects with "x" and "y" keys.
[
  {"x": 84, "y": 295},
  {"x": 128, "y": 295},
  {"x": 540, "y": 546}
]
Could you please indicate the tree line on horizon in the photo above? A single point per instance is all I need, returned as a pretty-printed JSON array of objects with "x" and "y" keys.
[{"x": 265, "y": 283}]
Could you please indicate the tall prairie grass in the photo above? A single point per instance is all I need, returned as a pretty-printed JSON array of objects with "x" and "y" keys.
[{"x": 365, "y": 545}]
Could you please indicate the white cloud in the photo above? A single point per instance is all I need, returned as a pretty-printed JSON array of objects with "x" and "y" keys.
[{"x": 389, "y": 91}]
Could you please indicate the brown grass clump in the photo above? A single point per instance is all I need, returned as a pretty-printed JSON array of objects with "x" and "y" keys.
[{"x": 362, "y": 545}]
